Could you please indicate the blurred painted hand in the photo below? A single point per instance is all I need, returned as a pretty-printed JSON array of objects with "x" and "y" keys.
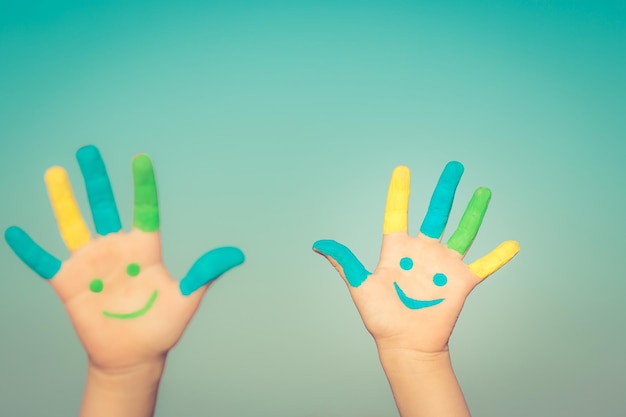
[
  {"x": 123, "y": 303},
  {"x": 415, "y": 294}
]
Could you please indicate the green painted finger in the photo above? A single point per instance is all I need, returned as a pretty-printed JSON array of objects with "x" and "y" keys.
[
  {"x": 146, "y": 208},
  {"x": 464, "y": 235}
]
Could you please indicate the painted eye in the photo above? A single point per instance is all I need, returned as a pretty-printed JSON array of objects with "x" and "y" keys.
[
  {"x": 406, "y": 263},
  {"x": 133, "y": 270},
  {"x": 96, "y": 285},
  {"x": 440, "y": 280}
]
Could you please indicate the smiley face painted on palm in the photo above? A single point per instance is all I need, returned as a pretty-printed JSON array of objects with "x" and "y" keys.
[
  {"x": 132, "y": 270},
  {"x": 396, "y": 225},
  {"x": 439, "y": 280}
]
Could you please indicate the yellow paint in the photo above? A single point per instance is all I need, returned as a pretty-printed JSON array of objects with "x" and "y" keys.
[
  {"x": 495, "y": 259},
  {"x": 71, "y": 224},
  {"x": 397, "y": 208}
]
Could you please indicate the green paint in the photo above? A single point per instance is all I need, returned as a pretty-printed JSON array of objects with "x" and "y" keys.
[
  {"x": 96, "y": 285},
  {"x": 133, "y": 270},
  {"x": 134, "y": 314},
  {"x": 471, "y": 221},
  {"x": 146, "y": 209}
]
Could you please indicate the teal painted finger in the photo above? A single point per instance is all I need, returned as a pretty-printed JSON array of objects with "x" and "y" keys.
[
  {"x": 441, "y": 202},
  {"x": 470, "y": 222},
  {"x": 36, "y": 258},
  {"x": 99, "y": 192},
  {"x": 353, "y": 269},
  {"x": 146, "y": 206},
  {"x": 209, "y": 267}
]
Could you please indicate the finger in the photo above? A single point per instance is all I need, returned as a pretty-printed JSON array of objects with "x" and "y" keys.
[
  {"x": 99, "y": 193},
  {"x": 72, "y": 226},
  {"x": 495, "y": 259},
  {"x": 470, "y": 222},
  {"x": 441, "y": 202},
  {"x": 37, "y": 259},
  {"x": 209, "y": 267},
  {"x": 397, "y": 207},
  {"x": 353, "y": 270},
  {"x": 146, "y": 207}
]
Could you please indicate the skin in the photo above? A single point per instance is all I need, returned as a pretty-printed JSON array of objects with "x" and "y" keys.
[
  {"x": 126, "y": 308},
  {"x": 411, "y": 311}
]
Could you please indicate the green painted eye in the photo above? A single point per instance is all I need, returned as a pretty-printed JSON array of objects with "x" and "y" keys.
[
  {"x": 96, "y": 285},
  {"x": 133, "y": 270}
]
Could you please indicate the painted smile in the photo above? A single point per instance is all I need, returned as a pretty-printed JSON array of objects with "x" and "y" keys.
[
  {"x": 412, "y": 303},
  {"x": 134, "y": 314}
]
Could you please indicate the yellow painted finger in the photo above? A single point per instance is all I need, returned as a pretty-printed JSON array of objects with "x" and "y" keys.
[
  {"x": 397, "y": 207},
  {"x": 71, "y": 224},
  {"x": 495, "y": 259}
]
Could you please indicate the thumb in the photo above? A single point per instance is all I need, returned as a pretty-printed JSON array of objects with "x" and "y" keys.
[
  {"x": 343, "y": 260},
  {"x": 209, "y": 267}
]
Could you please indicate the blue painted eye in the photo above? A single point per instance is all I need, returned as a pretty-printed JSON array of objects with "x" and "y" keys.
[
  {"x": 440, "y": 280},
  {"x": 406, "y": 263}
]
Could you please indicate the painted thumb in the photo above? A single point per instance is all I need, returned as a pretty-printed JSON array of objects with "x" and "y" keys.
[
  {"x": 343, "y": 260},
  {"x": 209, "y": 267}
]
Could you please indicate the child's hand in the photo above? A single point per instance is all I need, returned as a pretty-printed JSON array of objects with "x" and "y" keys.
[
  {"x": 412, "y": 300},
  {"x": 124, "y": 305}
]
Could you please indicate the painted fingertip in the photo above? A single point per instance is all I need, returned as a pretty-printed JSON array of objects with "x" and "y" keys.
[
  {"x": 353, "y": 270},
  {"x": 87, "y": 152},
  {"x": 483, "y": 193},
  {"x": 146, "y": 202},
  {"x": 54, "y": 174},
  {"x": 325, "y": 246},
  {"x": 209, "y": 267},
  {"x": 455, "y": 166},
  {"x": 401, "y": 172},
  {"x": 29, "y": 252},
  {"x": 142, "y": 161}
]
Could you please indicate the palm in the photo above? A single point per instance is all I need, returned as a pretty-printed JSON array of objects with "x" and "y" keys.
[
  {"x": 146, "y": 313},
  {"x": 413, "y": 298},
  {"x": 387, "y": 319},
  {"x": 123, "y": 303}
]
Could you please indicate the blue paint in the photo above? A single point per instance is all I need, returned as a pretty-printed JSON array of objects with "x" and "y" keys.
[
  {"x": 440, "y": 280},
  {"x": 99, "y": 192},
  {"x": 209, "y": 267},
  {"x": 37, "y": 259},
  {"x": 412, "y": 303},
  {"x": 406, "y": 264},
  {"x": 441, "y": 201},
  {"x": 353, "y": 269}
]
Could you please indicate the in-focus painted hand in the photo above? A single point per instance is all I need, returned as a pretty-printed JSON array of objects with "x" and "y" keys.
[
  {"x": 124, "y": 305},
  {"x": 413, "y": 298}
]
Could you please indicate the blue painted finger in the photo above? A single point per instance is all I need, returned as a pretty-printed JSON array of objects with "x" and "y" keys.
[
  {"x": 441, "y": 202},
  {"x": 209, "y": 267},
  {"x": 99, "y": 191},
  {"x": 37, "y": 259},
  {"x": 353, "y": 269}
]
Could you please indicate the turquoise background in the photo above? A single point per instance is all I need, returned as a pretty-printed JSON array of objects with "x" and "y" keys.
[{"x": 274, "y": 124}]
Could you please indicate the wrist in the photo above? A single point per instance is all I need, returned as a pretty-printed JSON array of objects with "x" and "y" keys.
[
  {"x": 408, "y": 361},
  {"x": 128, "y": 391}
]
